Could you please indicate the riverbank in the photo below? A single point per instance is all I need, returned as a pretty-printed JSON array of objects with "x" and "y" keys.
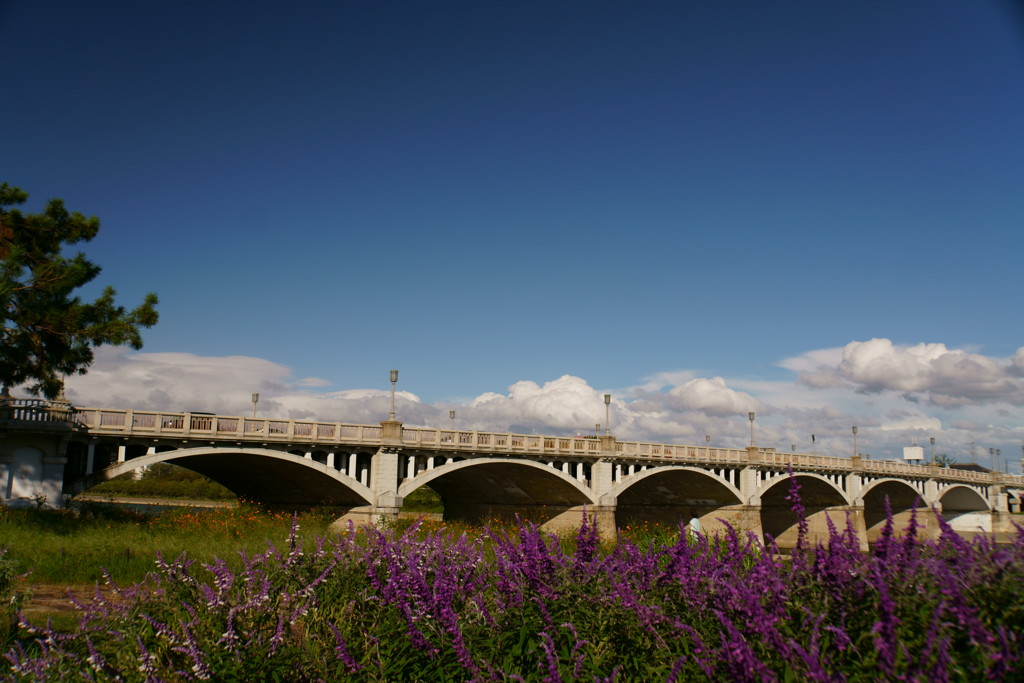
[{"x": 145, "y": 500}]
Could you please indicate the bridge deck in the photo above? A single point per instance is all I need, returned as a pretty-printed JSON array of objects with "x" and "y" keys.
[{"x": 122, "y": 423}]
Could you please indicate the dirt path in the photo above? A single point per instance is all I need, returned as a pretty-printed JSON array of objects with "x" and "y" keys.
[{"x": 49, "y": 599}]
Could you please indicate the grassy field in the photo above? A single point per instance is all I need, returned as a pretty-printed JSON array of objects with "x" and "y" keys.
[
  {"x": 444, "y": 602},
  {"x": 75, "y": 547}
]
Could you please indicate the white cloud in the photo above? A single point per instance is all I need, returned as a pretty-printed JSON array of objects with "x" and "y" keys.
[
  {"x": 567, "y": 404},
  {"x": 895, "y": 394},
  {"x": 930, "y": 373},
  {"x": 710, "y": 396}
]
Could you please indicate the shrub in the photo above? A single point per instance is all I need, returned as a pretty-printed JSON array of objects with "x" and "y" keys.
[{"x": 513, "y": 603}]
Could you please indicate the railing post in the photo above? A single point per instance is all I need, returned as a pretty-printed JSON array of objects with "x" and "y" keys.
[
  {"x": 748, "y": 477},
  {"x": 391, "y": 432}
]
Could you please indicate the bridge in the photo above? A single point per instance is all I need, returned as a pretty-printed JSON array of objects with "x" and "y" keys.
[{"x": 51, "y": 451}]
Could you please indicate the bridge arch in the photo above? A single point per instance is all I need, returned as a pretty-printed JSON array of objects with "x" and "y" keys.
[
  {"x": 486, "y": 488},
  {"x": 821, "y": 498},
  {"x": 965, "y": 508},
  {"x": 903, "y": 499},
  {"x": 275, "y": 478},
  {"x": 669, "y": 494}
]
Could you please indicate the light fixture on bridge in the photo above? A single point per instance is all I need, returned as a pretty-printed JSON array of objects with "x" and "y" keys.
[
  {"x": 451, "y": 416},
  {"x": 855, "y": 441},
  {"x": 255, "y": 400},
  {"x": 999, "y": 453},
  {"x": 394, "y": 379},
  {"x": 931, "y": 440},
  {"x": 607, "y": 418},
  {"x": 597, "y": 428},
  {"x": 750, "y": 416}
]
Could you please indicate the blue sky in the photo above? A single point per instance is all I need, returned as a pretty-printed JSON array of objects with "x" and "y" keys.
[{"x": 558, "y": 198}]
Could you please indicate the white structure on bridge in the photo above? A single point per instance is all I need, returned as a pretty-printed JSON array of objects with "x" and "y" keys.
[{"x": 51, "y": 450}]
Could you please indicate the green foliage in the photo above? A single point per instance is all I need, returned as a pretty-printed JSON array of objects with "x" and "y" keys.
[
  {"x": 164, "y": 480},
  {"x": 423, "y": 499},
  {"x": 10, "y": 597},
  {"x": 46, "y": 332}
]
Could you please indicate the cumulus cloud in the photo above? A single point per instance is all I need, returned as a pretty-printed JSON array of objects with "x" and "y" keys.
[
  {"x": 896, "y": 394},
  {"x": 928, "y": 372},
  {"x": 566, "y": 404},
  {"x": 710, "y": 396}
]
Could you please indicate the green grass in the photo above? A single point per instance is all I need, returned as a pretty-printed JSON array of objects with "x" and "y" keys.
[{"x": 75, "y": 547}]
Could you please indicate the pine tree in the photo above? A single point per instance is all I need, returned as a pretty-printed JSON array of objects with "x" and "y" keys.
[{"x": 46, "y": 332}]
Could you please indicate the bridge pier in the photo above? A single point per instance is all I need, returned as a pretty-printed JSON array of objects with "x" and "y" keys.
[{"x": 32, "y": 470}]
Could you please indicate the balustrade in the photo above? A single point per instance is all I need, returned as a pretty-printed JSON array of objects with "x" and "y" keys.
[{"x": 155, "y": 424}]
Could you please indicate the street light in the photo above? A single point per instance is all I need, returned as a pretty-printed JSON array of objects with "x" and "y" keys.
[
  {"x": 999, "y": 453},
  {"x": 451, "y": 416},
  {"x": 707, "y": 440},
  {"x": 855, "y": 441},
  {"x": 751, "y": 417},
  {"x": 607, "y": 414},
  {"x": 255, "y": 400},
  {"x": 991, "y": 456},
  {"x": 931, "y": 440},
  {"x": 394, "y": 378}
]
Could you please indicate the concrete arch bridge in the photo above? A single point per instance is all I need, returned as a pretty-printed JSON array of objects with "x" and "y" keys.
[{"x": 51, "y": 450}]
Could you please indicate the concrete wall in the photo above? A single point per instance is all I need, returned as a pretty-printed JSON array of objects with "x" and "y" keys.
[{"x": 30, "y": 475}]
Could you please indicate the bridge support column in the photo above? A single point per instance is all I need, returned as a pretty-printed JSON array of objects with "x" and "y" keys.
[
  {"x": 384, "y": 483},
  {"x": 998, "y": 501},
  {"x": 601, "y": 484},
  {"x": 928, "y": 518},
  {"x": 747, "y": 515},
  {"x": 603, "y": 517},
  {"x": 858, "y": 522}
]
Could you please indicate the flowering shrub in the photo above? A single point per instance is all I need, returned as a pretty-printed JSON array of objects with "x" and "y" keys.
[{"x": 515, "y": 604}]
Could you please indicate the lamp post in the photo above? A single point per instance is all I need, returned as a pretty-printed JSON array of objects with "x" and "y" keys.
[
  {"x": 607, "y": 414},
  {"x": 999, "y": 454},
  {"x": 855, "y": 441},
  {"x": 597, "y": 429},
  {"x": 707, "y": 441},
  {"x": 992, "y": 457},
  {"x": 394, "y": 379},
  {"x": 751, "y": 417},
  {"x": 451, "y": 416},
  {"x": 255, "y": 400},
  {"x": 931, "y": 440}
]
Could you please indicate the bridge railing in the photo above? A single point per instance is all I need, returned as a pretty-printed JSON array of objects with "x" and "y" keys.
[
  {"x": 657, "y": 451},
  {"x": 37, "y": 410},
  {"x": 513, "y": 443},
  {"x": 134, "y": 422},
  {"x": 805, "y": 461},
  {"x": 152, "y": 423}
]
